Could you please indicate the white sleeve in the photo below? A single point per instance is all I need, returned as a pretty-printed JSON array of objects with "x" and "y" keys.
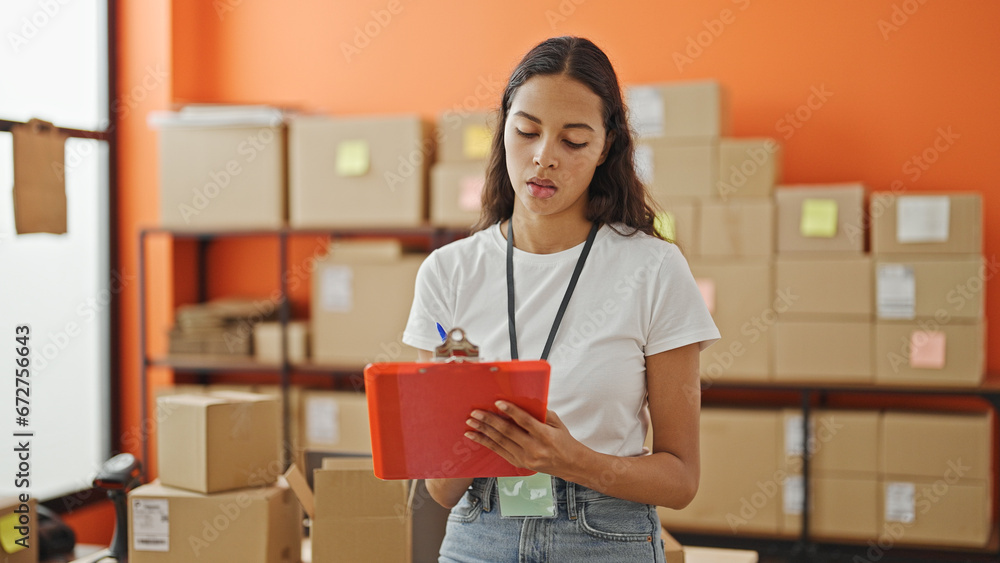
[
  {"x": 430, "y": 306},
  {"x": 679, "y": 314}
]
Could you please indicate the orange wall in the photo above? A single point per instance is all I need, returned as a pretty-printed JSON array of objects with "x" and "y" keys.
[{"x": 889, "y": 95}]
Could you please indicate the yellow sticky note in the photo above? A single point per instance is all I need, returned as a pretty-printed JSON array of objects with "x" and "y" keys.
[
  {"x": 9, "y": 536},
  {"x": 666, "y": 225},
  {"x": 819, "y": 218},
  {"x": 476, "y": 141},
  {"x": 353, "y": 158}
]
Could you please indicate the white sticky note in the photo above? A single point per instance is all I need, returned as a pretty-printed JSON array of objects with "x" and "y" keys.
[
  {"x": 151, "y": 524},
  {"x": 795, "y": 494},
  {"x": 644, "y": 164},
  {"x": 900, "y": 502},
  {"x": 922, "y": 219},
  {"x": 322, "y": 420},
  {"x": 896, "y": 291},
  {"x": 793, "y": 435},
  {"x": 645, "y": 105},
  {"x": 337, "y": 289}
]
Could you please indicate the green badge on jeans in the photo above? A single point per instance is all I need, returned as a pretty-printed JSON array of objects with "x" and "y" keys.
[{"x": 526, "y": 496}]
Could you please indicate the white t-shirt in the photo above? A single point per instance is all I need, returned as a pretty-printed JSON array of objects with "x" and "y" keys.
[{"x": 635, "y": 297}]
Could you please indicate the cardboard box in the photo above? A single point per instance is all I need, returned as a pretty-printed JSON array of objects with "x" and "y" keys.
[
  {"x": 842, "y": 443},
  {"x": 735, "y": 498},
  {"x": 694, "y": 554},
  {"x": 358, "y": 516},
  {"x": 678, "y": 168},
  {"x": 335, "y": 421},
  {"x": 358, "y": 171},
  {"x": 829, "y": 288},
  {"x": 948, "y": 446},
  {"x": 928, "y": 353},
  {"x": 253, "y": 525},
  {"x": 218, "y": 442},
  {"x": 679, "y": 109},
  {"x": 672, "y": 550},
  {"x": 926, "y": 223},
  {"x": 293, "y": 450},
  {"x": 739, "y": 293},
  {"x": 936, "y": 513},
  {"x": 267, "y": 342},
  {"x": 678, "y": 220},
  {"x": 221, "y": 170},
  {"x": 748, "y": 168},
  {"x": 464, "y": 137},
  {"x": 845, "y": 509},
  {"x": 360, "y": 304},
  {"x": 456, "y": 193},
  {"x": 829, "y": 351},
  {"x": 18, "y": 525},
  {"x": 822, "y": 218},
  {"x": 742, "y": 229},
  {"x": 943, "y": 288}
]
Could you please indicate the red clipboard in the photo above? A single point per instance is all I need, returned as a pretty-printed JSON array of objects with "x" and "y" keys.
[{"x": 417, "y": 414}]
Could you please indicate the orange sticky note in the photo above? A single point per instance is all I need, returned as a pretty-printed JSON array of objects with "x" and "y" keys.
[
  {"x": 927, "y": 349},
  {"x": 470, "y": 192},
  {"x": 819, "y": 218},
  {"x": 707, "y": 289}
]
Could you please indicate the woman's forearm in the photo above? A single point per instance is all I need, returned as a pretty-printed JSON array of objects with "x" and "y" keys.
[
  {"x": 447, "y": 492},
  {"x": 661, "y": 479}
]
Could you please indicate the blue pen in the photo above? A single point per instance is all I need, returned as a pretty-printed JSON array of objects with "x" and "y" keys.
[{"x": 441, "y": 332}]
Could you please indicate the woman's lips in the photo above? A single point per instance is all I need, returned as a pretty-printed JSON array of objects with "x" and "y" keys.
[{"x": 541, "y": 191}]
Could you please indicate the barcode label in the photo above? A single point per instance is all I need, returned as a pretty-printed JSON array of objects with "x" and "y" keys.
[{"x": 150, "y": 524}]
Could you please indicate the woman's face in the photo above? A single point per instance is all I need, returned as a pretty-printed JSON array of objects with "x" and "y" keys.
[{"x": 555, "y": 139}]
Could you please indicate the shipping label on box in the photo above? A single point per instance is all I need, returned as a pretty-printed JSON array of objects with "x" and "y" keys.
[
  {"x": 932, "y": 287},
  {"x": 695, "y": 109},
  {"x": 824, "y": 218},
  {"x": 936, "y": 512},
  {"x": 926, "y": 223},
  {"x": 335, "y": 421}
]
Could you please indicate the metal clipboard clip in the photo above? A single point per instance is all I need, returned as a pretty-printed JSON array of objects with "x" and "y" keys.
[{"x": 456, "y": 348}]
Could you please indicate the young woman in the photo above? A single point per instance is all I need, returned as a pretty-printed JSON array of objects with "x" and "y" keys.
[{"x": 561, "y": 187}]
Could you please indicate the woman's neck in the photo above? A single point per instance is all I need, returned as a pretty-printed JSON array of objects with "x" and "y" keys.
[{"x": 540, "y": 234}]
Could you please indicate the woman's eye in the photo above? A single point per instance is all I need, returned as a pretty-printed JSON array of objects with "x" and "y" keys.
[
  {"x": 573, "y": 145},
  {"x": 523, "y": 134}
]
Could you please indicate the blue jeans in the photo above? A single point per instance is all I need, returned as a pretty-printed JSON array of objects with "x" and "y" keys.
[{"x": 589, "y": 526}]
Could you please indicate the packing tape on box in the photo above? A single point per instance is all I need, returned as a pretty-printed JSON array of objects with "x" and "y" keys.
[{"x": 921, "y": 219}]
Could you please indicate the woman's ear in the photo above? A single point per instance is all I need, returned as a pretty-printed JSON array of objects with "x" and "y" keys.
[{"x": 609, "y": 139}]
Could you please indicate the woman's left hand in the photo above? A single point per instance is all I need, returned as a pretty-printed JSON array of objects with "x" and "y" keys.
[{"x": 524, "y": 441}]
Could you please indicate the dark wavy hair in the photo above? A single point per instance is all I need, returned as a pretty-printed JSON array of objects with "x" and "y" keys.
[{"x": 615, "y": 194}]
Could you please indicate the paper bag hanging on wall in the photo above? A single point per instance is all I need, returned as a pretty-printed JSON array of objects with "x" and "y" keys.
[{"x": 39, "y": 181}]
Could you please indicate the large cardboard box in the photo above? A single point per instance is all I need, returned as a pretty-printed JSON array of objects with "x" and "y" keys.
[
  {"x": 936, "y": 445},
  {"x": 293, "y": 450},
  {"x": 748, "y": 168},
  {"x": 678, "y": 168},
  {"x": 842, "y": 443},
  {"x": 834, "y": 288},
  {"x": 679, "y": 109},
  {"x": 358, "y": 171},
  {"x": 943, "y": 288},
  {"x": 678, "y": 219},
  {"x": 456, "y": 193},
  {"x": 335, "y": 421},
  {"x": 845, "y": 508},
  {"x": 218, "y": 442},
  {"x": 739, "y": 293},
  {"x": 742, "y": 229},
  {"x": 221, "y": 169},
  {"x": 926, "y": 352},
  {"x": 253, "y": 525},
  {"x": 935, "y": 513},
  {"x": 926, "y": 223},
  {"x": 267, "y": 342},
  {"x": 19, "y": 530},
  {"x": 735, "y": 498},
  {"x": 464, "y": 137},
  {"x": 822, "y": 218},
  {"x": 358, "y": 516},
  {"x": 360, "y": 303},
  {"x": 828, "y": 351}
]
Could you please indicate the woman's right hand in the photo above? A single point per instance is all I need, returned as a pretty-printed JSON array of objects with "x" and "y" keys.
[{"x": 447, "y": 492}]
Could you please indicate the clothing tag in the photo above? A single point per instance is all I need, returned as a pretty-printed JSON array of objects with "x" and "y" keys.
[
  {"x": 150, "y": 524},
  {"x": 922, "y": 219},
  {"x": 900, "y": 502},
  {"x": 645, "y": 105},
  {"x": 526, "y": 496},
  {"x": 896, "y": 291}
]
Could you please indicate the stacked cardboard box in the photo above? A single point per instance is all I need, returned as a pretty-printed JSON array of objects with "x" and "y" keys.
[
  {"x": 218, "y": 496},
  {"x": 716, "y": 196},
  {"x": 361, "y": 296},
  {"x": 458, "y": 176},
  {"x": 274, "y": 343},
  {"x": 825, "y": 332},
  {"x": 221, "y": 167},
  {"x": 930, "y": 281},
  {"x": 221, "y": 327},
  {"x": 358, "y": 171}
]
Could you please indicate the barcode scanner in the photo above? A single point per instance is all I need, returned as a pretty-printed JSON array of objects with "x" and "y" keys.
[{"x": 118, "y": 476}]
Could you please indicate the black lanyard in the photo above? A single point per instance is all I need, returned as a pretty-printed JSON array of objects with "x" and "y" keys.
[{"x": 565, "y": 300}]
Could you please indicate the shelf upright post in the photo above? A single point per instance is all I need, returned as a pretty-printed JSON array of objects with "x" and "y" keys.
[
  {"x": 806, "y": 463},
  {"x": 284, "y": 315},
  {"x": 143, "y": 358}
]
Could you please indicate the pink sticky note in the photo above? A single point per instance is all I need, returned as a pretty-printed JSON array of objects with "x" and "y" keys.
[
  {"x": 707, "y": 288},
  {"x": 470, "y": 192},
  {"x": 927, "y": 349}
]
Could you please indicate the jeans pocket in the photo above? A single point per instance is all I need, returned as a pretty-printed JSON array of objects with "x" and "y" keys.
[
  {"x": 616, "y": 519},
  {"x": 467, "y": 510}
]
